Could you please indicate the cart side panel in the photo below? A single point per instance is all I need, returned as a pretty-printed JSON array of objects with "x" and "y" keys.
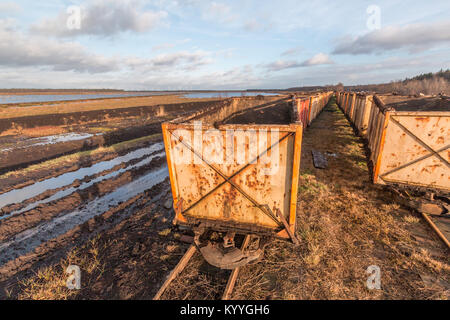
[
  {"x": 205, "y": 192},
  {"x": 407, "y": 156}
]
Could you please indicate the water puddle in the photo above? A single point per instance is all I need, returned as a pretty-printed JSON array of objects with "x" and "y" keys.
[
  {"x": 42, "y": 141},
  {"x": 28, "y": 240},
  {"x": 20, "y": 195},
  {"x": 63, "y": 193}
]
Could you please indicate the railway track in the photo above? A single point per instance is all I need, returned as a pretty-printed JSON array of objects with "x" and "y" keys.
[
  {"x": 184, "y": 262},
  {"x": 437, "y": 215},
  {"x": 434, "y": 208},
  {"x": 438, "y": 231}
]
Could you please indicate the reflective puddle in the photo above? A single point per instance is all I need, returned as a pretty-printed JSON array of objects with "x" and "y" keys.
[
  {"x": 42, "y": 141},
  {"x": 20, "y": 195},
  {"x": 27, "y": 240}
]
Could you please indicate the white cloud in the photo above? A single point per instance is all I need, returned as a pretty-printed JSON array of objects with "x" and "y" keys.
[
  {"x": 252, "y": 25},
  {"x": 180, "y": 60},
  {"x": 9, "y": 7},
  {"x": 219, "y": 12},
  {"x": 163, "y": 46},
  {"x": 104, "y": 18},
  {"x": 415, "y": 37},
  {"x": 241, "y": 77},
  {"x": 292, "y": 51},
  {"x": 19, "y": 50},
  {"x": 320, "y": 58},
  {"x": 183, "y": 57},
  {"x": 282, "y": 64},
  {"x": 316, "y": 60},
  {"x": 167, "y": 45}
]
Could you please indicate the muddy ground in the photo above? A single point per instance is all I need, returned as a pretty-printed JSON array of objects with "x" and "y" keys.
[
  {"x": 409, "y": 103},
  {"x": 119, "y": 231},
  {"x": 26, "y": 253},
  {"x": 22, "y": 157},
  {"x": 272, "y": 114},
  {"x": 73, "y": 118}
]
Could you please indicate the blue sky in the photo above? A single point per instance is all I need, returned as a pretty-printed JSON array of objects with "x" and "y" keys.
[{"x": 196, "y": 44}]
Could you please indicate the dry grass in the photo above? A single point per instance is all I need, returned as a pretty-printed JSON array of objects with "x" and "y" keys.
[
  {"x": 198, "y": 280},
  {"x": 35, "y": 132},
  {"x": 434, "y": 85},
  {"x": 49, "y": 283},
  {"x": 99, "y": 129}
]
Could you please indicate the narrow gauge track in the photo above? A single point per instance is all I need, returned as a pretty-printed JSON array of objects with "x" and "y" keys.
[
  {"x": 439, "y": 222},
  {"x": 184, "y": 262},
  {"x": 438, "y": 231}
]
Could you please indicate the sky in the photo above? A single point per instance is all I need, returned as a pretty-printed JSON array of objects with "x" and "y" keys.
[{"x": 219, "y": 45}]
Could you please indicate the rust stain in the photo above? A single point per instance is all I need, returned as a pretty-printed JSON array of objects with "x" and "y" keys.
[
  {"x": 433, "y": 167},
  {"x": 425, "y": 170}
]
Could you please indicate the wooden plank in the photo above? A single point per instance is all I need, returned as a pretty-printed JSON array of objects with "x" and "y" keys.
[
  {"x": 319, "y": 160},
  {"x": 176, "y": 271},
  {"x": 436, "y": 229},
  {"x": 234, "y": 274}
]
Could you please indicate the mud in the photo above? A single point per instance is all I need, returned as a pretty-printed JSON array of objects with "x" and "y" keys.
[
  {"x": 76, "y": 179},
  {"x": 80, "y": 196},
  {"x": 64, "y": 119},
  {"x": 22, "y": 157},
  {"x": 142, "y": 215},
  {"x": 19, "y": 179},
  {"x": 406, "y": 103},
  {"x": 275, "y": 114},
  {"x": 26, "y": 241}
]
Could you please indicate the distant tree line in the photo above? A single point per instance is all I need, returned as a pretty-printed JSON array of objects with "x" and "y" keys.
[{"x": 426, "y": 83}]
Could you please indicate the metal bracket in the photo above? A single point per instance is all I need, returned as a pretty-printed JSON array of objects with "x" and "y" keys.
[
  {"x": 228, "y": 239},
  {"x": 178, "y": 209},
  {"x": 285, "y": 224}
]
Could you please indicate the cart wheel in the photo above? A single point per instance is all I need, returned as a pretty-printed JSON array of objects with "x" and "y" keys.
[{"x": 224, "y": 256}]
